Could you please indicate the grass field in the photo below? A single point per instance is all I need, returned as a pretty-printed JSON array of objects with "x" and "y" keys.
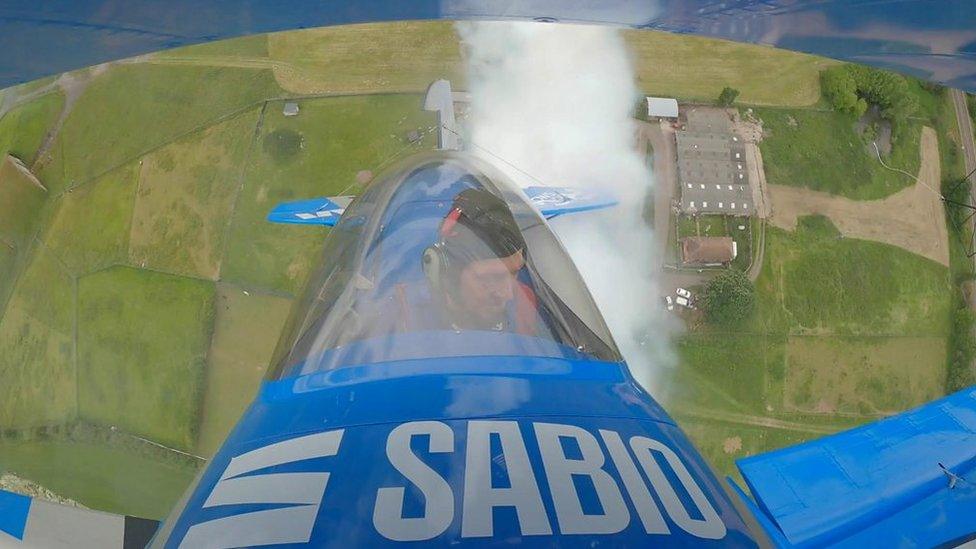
[
  {"x": 36, "y": 348},
  {"x": 845, "y": 331},
  {"x": 90, "y": 230},
  {"x": 99, "y": 476},
  {"x": 186, "y": 196},
  {"x": 142, "y": 347},
  {"x": 862, "y": 376},
  {"x": 814, "y": 282},
  {"x": 317, "y": 153},
  {"x": 22, "y": 130},
  {"x": 244, "y": 338},
  {"x": 133, "y": 109},
  {"x": 695, "y": 68},
  {"x": 820, "y": 150},
  {"x": 730, "y": 371},
  {"x": 376, "y": 57},
  {"x": 20, "y": 205}
]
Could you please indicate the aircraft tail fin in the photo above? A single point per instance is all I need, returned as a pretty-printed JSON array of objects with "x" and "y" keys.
[
  {"x": 314, "y": 211},
  {"x": 553, "y": 201}
]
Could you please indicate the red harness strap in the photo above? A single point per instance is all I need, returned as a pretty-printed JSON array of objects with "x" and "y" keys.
[{"x": 526, "y": 310}]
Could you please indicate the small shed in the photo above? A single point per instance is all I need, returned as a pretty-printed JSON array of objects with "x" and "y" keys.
[
  {"x": 662, "y": 107},
  {"x": 291, "y": 109},
  {"x": 707, "y": 250}
]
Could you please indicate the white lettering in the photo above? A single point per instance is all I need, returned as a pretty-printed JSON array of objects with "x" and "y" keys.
[
  {"x": 647, "y": 509},
  {"x": 480, "y": 497},
  {"x": 439, "y": 500},
  {"x": 710, "y": 526},
  {"x": 560, "y": 471}
]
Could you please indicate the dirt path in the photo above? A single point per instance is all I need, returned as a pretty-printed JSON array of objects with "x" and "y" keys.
[
  {"x": 757, "y": 421},
  {"x": 912, "y": 219}
]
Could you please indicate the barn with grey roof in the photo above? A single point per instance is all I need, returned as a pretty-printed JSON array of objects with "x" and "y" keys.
[{"x": 712, "y": 166}]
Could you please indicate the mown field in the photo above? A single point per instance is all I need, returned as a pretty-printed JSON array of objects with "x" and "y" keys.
[{"x": 407, "y": 56}]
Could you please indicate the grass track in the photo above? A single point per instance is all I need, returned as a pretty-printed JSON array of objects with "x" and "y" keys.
[{"x": 239, "y": 355}]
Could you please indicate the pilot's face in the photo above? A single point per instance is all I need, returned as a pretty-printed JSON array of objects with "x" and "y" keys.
[{"x": 488, "y": 285}]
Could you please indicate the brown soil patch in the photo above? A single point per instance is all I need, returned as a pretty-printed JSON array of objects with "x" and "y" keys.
[
  {"x": 912, "y": 219},
  {"x": 732, "y": 445}
]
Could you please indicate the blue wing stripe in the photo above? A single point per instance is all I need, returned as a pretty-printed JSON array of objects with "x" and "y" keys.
[{"x": 14, "y": 510}]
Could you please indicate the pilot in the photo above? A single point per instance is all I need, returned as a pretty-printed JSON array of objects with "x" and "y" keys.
[{"x": 475, "y": 266}]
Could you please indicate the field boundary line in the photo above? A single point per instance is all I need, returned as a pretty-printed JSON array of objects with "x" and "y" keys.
[{"x": 242, "y": 178}]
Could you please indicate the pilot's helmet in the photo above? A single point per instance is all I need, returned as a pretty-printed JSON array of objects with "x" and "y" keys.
[{"x": 480, "y": 225}]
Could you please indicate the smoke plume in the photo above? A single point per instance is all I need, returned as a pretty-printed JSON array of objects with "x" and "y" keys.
[{"x": 557, "y": 102}]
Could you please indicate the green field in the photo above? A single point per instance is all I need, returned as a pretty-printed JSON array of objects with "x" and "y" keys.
[
  {"x": 100, "y": 476},
  {"x": 20, "y": 205},
  {"x": 142, "y": 350},
  {"x": 695, "y": 68},
  {"x": 239, "y": 355},
  {"x": 186, "y": 196},
  {"x": 845, "y": 331},
  {"x": 729, "y": 371},
  {"x": 22, "y": 130},
  {"x": 863, "y": 375},
  {"x": 90, "y": 230},
  {"x": 36, "y": 348},
  {"x": 317, "y": 153},
  {"x": 133, "y": 109},
  {"x": 814, "y": 282},
  {"x": 820, "y": 150}
]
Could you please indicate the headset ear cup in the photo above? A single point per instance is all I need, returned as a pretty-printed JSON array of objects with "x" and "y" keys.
[{"x": 435, "y": 262}]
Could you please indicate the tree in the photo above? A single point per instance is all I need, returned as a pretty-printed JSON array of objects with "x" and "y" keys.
[
  {"x": 729, "y": 297},
  {"x": 727, "y": 97}
]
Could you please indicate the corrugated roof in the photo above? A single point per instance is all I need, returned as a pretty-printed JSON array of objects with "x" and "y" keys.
[{"x": 662, "y": 107}]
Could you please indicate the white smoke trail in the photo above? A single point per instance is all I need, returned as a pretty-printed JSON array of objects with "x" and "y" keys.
[{"x": 557, "y": 102}]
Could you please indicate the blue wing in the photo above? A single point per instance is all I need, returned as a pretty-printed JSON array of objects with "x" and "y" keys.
[
  {"x": 315, "y": 211},
  {"x": 553, "y": 201},
  {"x": 904, "y": 481}
]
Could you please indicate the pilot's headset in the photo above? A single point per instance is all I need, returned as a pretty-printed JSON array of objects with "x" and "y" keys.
[{"x": 479, "y": 226}]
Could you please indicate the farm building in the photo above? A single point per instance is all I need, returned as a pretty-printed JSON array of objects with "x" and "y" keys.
[
  {"x": 712, "y": 166},
  {"x": 707, "y": 250},
  {"x": 291, "y": 109},
  {"x": 662, "y": 107}
]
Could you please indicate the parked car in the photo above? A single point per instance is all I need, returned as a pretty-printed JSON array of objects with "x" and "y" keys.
[
  {"x": 683, "y": 302},
  {"x": 669, "y": 302},
  {"x": 683, "y": 293}
]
